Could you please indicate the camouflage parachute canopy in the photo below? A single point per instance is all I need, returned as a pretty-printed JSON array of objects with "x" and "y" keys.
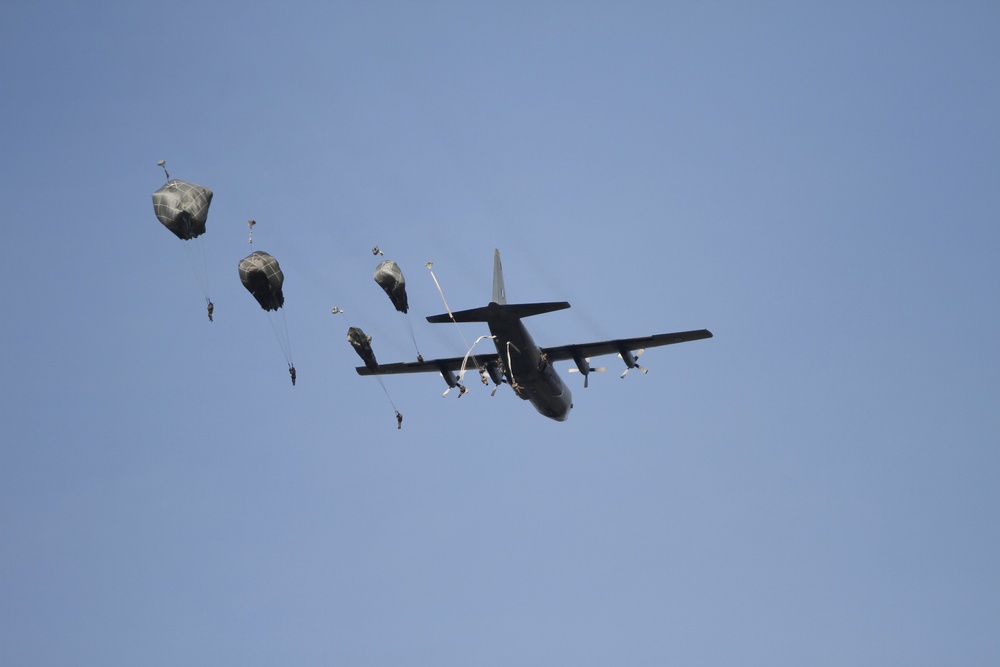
[
  {"x": 362, "y": 343},
  {"x": 261, "y": 275},
  {"x": 182, "y": 207},
  {"x": 390, "y": 278}
]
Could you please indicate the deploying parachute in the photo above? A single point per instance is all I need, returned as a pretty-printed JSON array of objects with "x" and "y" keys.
[
  {"x": 362, "y": 343},
  {"x": 261, "y": 275},
  {"x": 389, "y": 277},
  {"x": 182, "y": 207}
]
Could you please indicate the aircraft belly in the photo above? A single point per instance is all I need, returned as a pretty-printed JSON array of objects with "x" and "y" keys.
[{"x": 550, "y": 395}]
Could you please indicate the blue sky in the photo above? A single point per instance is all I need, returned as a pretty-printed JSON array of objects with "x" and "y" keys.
[{"x": 814, "y": 182}]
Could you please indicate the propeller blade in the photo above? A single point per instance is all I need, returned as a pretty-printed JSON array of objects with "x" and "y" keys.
[
  {"x": 586, "y": 375},
  {"x": 636, "y": 366},
  {"x": 600, "y": 369},
  {"x": 631, "y": 363}
]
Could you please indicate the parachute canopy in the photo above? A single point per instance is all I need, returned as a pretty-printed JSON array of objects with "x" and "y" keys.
[
  {"x": 362, "y": 343},
  {"x": 390, "y": 278},
  {"x": 261, "y": 275},
  {"x": 182, "y": 207}
]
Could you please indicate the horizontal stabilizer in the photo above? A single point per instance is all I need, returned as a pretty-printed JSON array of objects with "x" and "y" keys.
[{"x": 497, "y": 311}]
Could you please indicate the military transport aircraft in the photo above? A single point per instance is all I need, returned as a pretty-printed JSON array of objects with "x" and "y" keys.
[{"x": 518, "y": 361}]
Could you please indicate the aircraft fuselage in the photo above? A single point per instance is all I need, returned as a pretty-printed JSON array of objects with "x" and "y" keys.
[{"x": 526, "y": 368}]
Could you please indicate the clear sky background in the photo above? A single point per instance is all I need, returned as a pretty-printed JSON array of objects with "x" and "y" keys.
[{"x": 817, "y": 183}]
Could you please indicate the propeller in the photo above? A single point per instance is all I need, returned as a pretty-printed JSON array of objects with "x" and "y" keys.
[
  {"x": 586, "y": 373},
  {"x": 630, "y": 362},
  {"x": 484, "y": 377},
  {"x": 462, "y": 390}
]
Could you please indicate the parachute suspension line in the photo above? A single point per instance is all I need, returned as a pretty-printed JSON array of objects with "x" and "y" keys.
[
  {"x": 194, "y": 250},
  {"x": 202, "y": 260},
  {"x": 430, "y": 267},
  {"x": 288, "y": 339},
  {"x": 340, "y": 311},
  {"x": 413, "y": 336},
  {"x": 387, "y": 393},
  {"x": 398, "y": 414},
  {"x": 281, "y": 333}
]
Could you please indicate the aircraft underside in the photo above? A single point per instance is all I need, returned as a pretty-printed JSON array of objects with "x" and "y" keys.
[{"x": 528, "y": 372}]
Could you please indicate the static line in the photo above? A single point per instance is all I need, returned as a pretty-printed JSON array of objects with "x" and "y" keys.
[
  {"x": 413, "y": 336},
  {"x": 468, "y": 347}
]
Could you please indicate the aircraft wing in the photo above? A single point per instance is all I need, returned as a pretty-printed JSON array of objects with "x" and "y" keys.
[
  {"x": 585, "y": 350},
  {"x": 432, "y": 366},
  {"x": 558, "y": 353}
]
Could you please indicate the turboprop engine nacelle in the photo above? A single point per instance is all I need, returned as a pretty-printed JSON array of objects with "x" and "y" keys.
[
  {"x": 494, "y": 370},
  {"x": 452, "y": 381}
]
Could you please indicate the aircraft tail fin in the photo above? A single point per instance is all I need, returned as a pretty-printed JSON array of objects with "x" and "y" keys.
[{"x": 499, "y": 294}]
